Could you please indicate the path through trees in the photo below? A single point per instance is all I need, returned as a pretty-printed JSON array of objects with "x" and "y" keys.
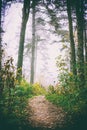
[{"x": 44, "y": 114}]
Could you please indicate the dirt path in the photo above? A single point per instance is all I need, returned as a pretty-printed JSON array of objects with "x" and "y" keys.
[{"x": 42, "y": 113}]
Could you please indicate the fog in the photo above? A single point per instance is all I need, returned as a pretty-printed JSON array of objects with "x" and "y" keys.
[{"x": 46, "y": 71}]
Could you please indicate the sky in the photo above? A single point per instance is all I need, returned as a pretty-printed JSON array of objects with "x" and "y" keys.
[{"x": 46, "y": 71}]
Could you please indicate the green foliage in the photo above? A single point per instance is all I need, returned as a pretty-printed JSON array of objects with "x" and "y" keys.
[
  {"x": 7, "y": 75},
  {"x": 13, "y": 107},
  {"x": 70, "y": 102},
  {"x": 27, "y": 88},
  {"x": 68, "y": 95},
  {"x": 14, "y": 99},
  {"x": 68, "y": 81},
  {"x": 51, "y": 89},
  {"x": 38, "y": 89}
]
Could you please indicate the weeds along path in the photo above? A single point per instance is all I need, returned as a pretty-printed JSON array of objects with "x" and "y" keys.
[{"x": 44, "y": 114}]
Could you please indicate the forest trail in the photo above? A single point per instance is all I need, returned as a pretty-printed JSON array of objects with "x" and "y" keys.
[{"x": 44, "y": 114}]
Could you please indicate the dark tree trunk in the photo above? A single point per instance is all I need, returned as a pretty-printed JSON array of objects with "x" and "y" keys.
[
  {"x": 85, "y": 49},
  {"x": 0, "y": 35},
  {"x": 33, "y": 46},
  {"x": 80, "y": 24},
  {"x": 1, "y": 82},
  {"x": 85, "y": 40},
  {"x": 26, "y": 10},
  {"x": 72, "y": 45}
]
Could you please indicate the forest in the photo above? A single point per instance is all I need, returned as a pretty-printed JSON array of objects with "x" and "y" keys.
[{"x": 50, "y": 40}]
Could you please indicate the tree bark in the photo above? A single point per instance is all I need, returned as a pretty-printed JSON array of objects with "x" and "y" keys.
[
  {"x": 33, "y": 46},
  {"x": 72, "y": 44},
  {"x": 85, "y": 41},
  {"x": 0, "y": 36},
  {"x": 1, "y": 82},
  {"x": 80, "y": 24},
  {"x": 85, "y": 58},
  {"x": 25, "y": 15}
]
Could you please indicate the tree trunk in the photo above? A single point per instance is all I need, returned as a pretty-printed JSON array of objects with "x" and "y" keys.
[
  {"x": 85, "y": 49},
  {"x": 85, "y": 40},
  {"x": 80, "y": 24},
  {"x": 0, "y": 36},
  {"x": 1, "y": 82},
  {"x": 26, "y": 10},
  {"x": 33, "y": 46},
  {"x": 72, "y": 45}
]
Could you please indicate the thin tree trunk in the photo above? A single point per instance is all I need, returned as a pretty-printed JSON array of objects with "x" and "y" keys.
[
  {"x": 0, "y": 36},
  {"x": 26, "y": 10},
  {"x": 33, "y": 47},
  {"x": 85, "y": 40},
  {"x": 80, "y": 20},
  {"x": 1, "y": 82},
  {"x": 72, "y": 45},
  {"x": 85, "y": 48}
]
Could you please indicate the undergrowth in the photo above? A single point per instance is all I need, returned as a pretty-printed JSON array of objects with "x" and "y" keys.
[
  {"x": 14, "y": 96},
  {"x": 71, "y": 98}
]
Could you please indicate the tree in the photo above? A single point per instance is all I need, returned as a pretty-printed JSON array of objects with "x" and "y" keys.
[
  {"x": 33, "y": 44},
  {"x": 2, "y": 12},
  {"x": 80, "y": 25},
  {"x": 72, "y": 44},
  {"x": 0, "y": 48},
  {"x": 0, "y": 33},
  {"x": 85, "y": 58},
  {"x": 25, "y": 16},
  {"x": 85, "y": 40}
]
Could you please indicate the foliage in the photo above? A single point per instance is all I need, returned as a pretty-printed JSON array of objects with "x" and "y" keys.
[
  {"x": 25, "y": 86},
  {"x": 38, "y": 89},
  {"x": 14, "y": 98},
  {"x": 68, "y": 81},
  {"x": 13, "y": 108},
  {"x": 51, "y": 89},
  {"x": 7, "y": 74},
  {"x": 68, "y": 95}
]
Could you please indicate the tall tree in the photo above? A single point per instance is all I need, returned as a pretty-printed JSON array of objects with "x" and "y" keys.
[
  {"x": 85, "y": 58},
  {"x": 85, "y": 40},
  {"x": 0, "y": 33},
  {"x": 25, "y": 16},
  {"x": 33, "y": 44},
  {"x": 72, "y": 44},
  {"x": 80, "y": 25},
  {"x": 0, "y": 48}
]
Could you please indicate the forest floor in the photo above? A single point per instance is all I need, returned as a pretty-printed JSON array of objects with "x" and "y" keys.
[{"x": 44, "y": 114}]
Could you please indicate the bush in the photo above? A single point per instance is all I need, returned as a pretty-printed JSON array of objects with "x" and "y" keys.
[
  {"x": 38, "y": 89},
  {"x": 13, "y": 109},
  {"x": 14, "y": 99},
  {"x": 51, "y": 89},
  {"x": 26, "y": 87},
  {"x": 68, "y": 95}
]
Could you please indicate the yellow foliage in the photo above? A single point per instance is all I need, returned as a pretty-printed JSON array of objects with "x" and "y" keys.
[
  {"x": 70, "y": 74},
  {"x": 38, "y": 89},
  {"x": 24, "y": 83}
]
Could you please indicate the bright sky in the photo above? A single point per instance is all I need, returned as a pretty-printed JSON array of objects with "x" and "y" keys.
[{"x": 46, "y": 70}]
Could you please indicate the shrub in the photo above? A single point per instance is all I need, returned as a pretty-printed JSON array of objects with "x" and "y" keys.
[
  {"x": 14, "y": 99},
  {"x": 51, "y": 89},
  {"x": 38, "y": 89},
  {"x": 68, "y": 95},
  {"x": 13, "y": 109},
  {"x": 26, "y": 87}
]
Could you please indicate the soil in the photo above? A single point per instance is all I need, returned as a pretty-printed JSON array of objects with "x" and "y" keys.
[{"x": 44, "y": 114}]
